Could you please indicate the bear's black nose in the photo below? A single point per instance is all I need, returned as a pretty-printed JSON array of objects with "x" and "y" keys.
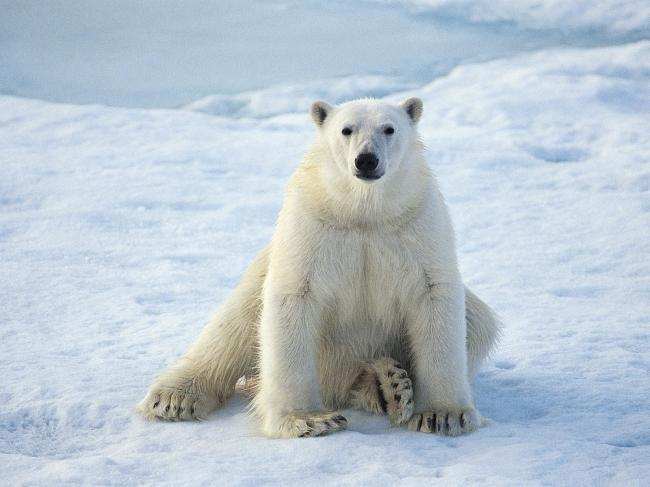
[{"x": 366, "y": 162}]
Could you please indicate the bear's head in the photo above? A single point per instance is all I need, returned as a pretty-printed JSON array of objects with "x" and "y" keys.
[{"x": 368, "y": 139}]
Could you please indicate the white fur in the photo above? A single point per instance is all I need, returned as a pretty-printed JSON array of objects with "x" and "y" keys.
[{"x": 356, "y": 271}]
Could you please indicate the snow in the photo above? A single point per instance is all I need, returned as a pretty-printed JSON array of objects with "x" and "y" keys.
[
  {"x": 278, "y": 100},
  {"x": 121, "y": 229}
]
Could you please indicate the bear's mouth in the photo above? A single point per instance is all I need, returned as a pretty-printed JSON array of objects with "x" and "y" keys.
[{"x": 368, "y": 176}]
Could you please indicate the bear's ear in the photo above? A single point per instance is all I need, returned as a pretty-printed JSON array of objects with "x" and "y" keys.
[
  {"x": 319, "y": 112},
  {"x": 413, "y": 108}
]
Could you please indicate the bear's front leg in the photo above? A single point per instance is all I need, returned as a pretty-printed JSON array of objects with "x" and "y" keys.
[
  {"x": 437, "y": 330},
  {"x": 289, "y": 399}
]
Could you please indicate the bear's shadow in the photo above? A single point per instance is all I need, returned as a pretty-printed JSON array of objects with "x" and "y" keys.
[{"x": 511, "y": 399}]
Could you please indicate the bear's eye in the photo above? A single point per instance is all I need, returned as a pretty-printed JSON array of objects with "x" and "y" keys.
[
  {"x": 389, "y": 130},
  {"x": 346, "y": 131}
]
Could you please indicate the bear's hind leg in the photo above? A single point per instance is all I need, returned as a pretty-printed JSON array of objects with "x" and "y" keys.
[
  {"x": 383, "y": 387},
  {"x": 205, "y": 377},
  {"x": 483, "y": 331}
]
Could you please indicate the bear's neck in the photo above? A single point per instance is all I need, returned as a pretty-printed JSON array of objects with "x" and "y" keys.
[{"x": 341, "y": 201}]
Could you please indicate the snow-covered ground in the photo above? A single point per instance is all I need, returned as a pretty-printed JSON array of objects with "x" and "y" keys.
[{"x": 121, "y": 229}]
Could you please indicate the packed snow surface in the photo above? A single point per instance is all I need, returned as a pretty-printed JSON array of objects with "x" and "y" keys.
[{"x": 122, "y": 229}]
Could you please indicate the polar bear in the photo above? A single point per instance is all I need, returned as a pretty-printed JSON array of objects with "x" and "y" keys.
[{"x": 357, "y": 302}]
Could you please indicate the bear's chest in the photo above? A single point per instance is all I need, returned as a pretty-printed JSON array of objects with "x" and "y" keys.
[{"x": 368, "y": 275}]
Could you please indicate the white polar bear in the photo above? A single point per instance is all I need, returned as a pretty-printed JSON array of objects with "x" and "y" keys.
[{"x": 357, "y": 294}]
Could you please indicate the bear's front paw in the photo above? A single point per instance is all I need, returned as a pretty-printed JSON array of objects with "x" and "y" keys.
[
  {"x": 446, "y": 421},
  {"x": 176, "y": 404},
  {"x": 304, "y": 425}
]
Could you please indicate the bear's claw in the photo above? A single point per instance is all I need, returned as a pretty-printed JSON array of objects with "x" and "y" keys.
[{"x": 446, "y": 422}]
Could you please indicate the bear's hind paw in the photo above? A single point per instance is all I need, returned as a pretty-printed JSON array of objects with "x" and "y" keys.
[{"x": 173, "y": 404}]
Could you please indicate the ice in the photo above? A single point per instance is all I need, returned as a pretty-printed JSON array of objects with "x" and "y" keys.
[
  {"x": 122, "y": 229},
  {"x": 170, "y": 54},
  {"x": 613, "y": 16}
]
